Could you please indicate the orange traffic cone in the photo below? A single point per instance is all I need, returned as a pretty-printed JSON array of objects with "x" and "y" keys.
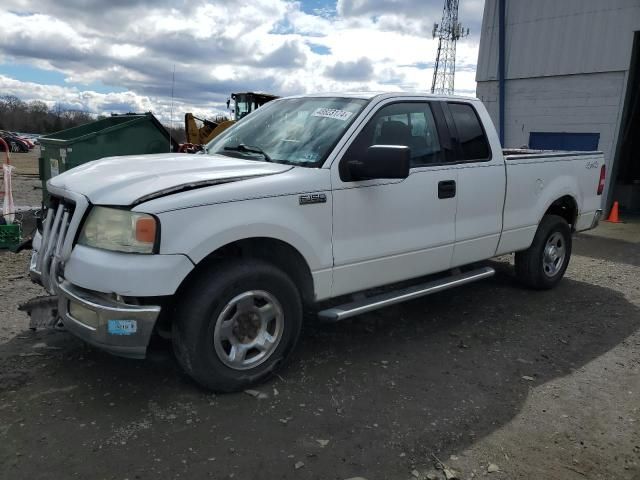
[{"x": 613, "y": 214}]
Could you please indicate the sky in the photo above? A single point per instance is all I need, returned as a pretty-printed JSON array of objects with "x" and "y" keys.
[{"x": 119, "y": 56}]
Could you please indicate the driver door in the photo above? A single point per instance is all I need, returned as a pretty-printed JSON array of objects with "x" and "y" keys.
[{"x": 386, "y": 230}]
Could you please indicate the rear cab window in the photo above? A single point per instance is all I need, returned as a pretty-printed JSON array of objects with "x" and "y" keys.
[{"x": 466, "y": 127}]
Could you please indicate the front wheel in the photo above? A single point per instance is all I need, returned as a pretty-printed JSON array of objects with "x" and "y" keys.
[
  {"x": 543, "y": 264},
  {"x": 237, "y": 324}
]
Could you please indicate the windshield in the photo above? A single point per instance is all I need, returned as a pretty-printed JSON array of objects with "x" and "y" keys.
[{"x": 296, "y": 131}]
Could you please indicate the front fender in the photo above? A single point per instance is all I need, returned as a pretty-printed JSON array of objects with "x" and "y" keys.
[{"x": 200, "y": 231}]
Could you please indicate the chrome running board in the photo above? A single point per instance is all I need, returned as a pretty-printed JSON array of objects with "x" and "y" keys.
[{"x": 348, "y": 310}]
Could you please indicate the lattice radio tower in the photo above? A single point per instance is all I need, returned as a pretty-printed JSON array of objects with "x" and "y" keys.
[{"x": 449, "y": 31}]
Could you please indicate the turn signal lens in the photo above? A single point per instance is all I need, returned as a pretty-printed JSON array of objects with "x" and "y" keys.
[
  {"x": 603, "y": 177},
  {"x": 146, "y": 230}
]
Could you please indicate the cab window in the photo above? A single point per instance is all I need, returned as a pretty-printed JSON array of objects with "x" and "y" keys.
[
  {"x": 471, "y": 137},
  {"x": 408, "y": 124}
]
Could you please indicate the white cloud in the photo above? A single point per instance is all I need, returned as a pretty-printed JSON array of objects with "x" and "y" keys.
[
  {"x": 125, "y": 50},
  {"x": 219, "y": 47}
]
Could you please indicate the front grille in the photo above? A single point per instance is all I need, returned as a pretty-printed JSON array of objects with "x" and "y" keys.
[{"x": 55, "y": 237}]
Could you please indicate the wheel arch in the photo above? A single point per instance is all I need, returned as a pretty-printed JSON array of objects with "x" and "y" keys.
[
  {"x": 274, "y": 251},
  {"x": 566, "y": 207}
]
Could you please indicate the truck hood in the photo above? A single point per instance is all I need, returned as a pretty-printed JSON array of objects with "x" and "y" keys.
[{"x": 132, "y": 179}]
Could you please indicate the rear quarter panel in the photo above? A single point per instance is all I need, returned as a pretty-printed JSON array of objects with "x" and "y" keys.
[{"x": 534, "y": 183}]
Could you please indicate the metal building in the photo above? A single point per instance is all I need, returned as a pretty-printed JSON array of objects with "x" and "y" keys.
[{"x": 568, "y": 74}]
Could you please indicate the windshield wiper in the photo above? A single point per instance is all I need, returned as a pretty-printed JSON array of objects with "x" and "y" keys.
[{"x": 249, "y": 149}]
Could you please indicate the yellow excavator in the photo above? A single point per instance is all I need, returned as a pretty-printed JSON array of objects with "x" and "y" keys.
[
  {"x": 206, "y": 130},
  {"x": 200, "y": 131}
]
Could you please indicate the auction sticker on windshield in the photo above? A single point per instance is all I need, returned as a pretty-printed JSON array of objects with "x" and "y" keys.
[{"x": 332, "y": 113}]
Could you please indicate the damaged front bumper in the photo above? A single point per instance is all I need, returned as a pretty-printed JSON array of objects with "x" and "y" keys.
[
  {"x": 99, "y": 319},
  {"x": 116, "y": 327}
]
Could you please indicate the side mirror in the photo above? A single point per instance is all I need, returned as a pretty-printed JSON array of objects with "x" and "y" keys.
[{"x": 381, "y": 161}]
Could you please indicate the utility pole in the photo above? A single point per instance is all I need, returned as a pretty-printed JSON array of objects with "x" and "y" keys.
[{"x": 449, "y": 31}]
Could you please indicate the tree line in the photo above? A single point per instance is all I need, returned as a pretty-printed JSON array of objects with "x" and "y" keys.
[{"x": 35, "y": 116}]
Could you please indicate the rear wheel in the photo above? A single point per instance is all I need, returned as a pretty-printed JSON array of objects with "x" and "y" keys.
[
  {"x": 237, "y": 324},
  {"x": 543, "y": 264}
]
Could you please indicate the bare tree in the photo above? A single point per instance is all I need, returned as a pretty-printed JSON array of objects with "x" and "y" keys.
[{"x": 37, "y": 117}]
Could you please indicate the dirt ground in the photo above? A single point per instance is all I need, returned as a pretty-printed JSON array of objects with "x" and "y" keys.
[
  {"x": 25, "y": 163},
  {"x": 490, "y": 376}
]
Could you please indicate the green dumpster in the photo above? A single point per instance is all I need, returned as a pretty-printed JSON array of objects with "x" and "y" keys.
[{"x": 130, "y": 134}]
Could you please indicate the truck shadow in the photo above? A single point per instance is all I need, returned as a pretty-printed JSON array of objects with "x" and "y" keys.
[{"x": 430, "y": 376}]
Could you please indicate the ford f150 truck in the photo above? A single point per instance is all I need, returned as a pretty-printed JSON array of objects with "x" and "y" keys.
[{"x": 303, "y": 203}]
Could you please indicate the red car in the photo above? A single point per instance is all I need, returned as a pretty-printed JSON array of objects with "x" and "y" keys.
[{"x": 16, "y": 144}]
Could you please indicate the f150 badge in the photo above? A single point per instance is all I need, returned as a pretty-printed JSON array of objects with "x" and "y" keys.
[{"x": 313, "y": 198}]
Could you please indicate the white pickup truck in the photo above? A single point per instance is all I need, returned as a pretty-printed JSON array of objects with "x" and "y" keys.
[{"x": 309, "y": 199}]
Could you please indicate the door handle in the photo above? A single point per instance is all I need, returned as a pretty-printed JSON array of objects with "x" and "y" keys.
[{"x": 447, "y": 189}]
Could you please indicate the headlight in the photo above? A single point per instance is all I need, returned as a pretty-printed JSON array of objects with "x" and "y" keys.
[{"x": 120, "y": 230}]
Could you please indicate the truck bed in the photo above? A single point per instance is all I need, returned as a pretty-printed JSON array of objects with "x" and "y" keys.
[{"x": 535, "y": 179}]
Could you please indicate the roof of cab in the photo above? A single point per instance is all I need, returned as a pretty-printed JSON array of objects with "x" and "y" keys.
[{"x": 371, "y": 95}]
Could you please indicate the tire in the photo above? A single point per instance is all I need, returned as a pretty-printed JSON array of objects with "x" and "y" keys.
[
  {"x": 219, "y": 313},
  {"x": 540, "y": 267}
]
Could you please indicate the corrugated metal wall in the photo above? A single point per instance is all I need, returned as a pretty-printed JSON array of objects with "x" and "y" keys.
[
  {"x": 567, "y": 64},
  {"x": 574, "y": 103},
  {"x": 559, "y": 37}
]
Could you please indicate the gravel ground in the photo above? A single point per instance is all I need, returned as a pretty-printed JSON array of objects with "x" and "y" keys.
[
  {"x": 25, "y": 163},
  {"x": 27, "y": 191},
  {"x": 486, "y": 377},
  {"x": 15, "y": 288}
]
